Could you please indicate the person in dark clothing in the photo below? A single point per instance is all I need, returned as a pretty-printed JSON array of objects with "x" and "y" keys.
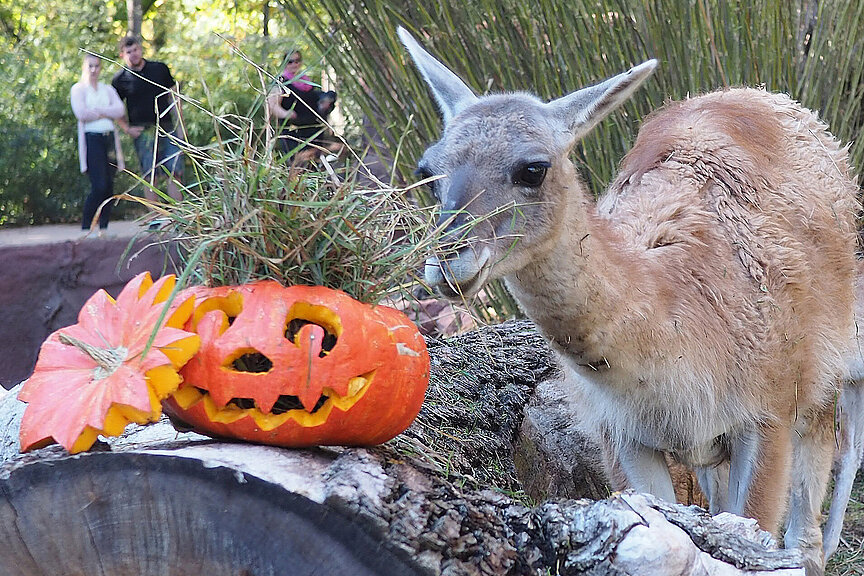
[
  {"x": 301, "y": 110},
  {"x": 152, "y": 99}
]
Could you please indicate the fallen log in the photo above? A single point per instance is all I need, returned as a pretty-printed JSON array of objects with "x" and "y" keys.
[{"x": 442, "y": 498}]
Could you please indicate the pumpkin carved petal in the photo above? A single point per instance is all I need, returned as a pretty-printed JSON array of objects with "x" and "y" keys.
[{"x": 94, "y": 377}]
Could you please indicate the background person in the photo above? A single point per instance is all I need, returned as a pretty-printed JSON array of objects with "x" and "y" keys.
[
  {"x": 96, "y": 105},
  {"x": 152, "y": 99},
  {"x": 294, "y": 102}
]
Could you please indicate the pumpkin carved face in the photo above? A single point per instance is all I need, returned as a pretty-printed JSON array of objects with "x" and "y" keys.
[{"x": 300, "y": 366}]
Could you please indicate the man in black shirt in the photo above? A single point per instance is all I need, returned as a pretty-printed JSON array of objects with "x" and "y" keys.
[{"x": 152, "y": 99}]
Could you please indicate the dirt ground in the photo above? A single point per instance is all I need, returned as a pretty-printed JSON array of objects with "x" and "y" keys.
[
  {"x": 48, "y": 272},
  {"x": 30, "y": 235}
]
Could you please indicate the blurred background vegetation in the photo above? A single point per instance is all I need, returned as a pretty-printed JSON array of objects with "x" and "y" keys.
[
  {"x": 812, "y": 49},
  {"x": 40, "y": 59}
]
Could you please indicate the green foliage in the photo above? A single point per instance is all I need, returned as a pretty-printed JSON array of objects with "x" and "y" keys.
[
  {"x": 40, "y": 59},
  {"x": 811, "y": 50},
  {"x": 39, "y": 176}
]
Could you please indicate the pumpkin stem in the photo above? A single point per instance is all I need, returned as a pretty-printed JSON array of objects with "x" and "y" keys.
[{"x": 108, "y": 360}]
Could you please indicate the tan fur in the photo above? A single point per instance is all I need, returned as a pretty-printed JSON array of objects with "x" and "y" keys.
[
  {"x": 703, "y": 304},
  {"x": 722, "y": 272}
]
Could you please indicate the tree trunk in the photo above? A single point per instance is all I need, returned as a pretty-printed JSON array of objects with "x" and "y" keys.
[
  {"x": 134, "y": 17},
  {"x": 442, "y": 498}
]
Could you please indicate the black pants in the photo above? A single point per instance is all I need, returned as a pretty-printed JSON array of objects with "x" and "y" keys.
[
  {"x": 100, "y": 156},
  {"x": 293, "y": 140}
]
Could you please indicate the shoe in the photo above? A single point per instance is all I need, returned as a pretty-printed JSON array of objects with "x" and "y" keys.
[{"x": 158, "y": 223}]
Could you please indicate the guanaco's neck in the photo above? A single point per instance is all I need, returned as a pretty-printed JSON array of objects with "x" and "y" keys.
[{"x": 589, "y": 292}]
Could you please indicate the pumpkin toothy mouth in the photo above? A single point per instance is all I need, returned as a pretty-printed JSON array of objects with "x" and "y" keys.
[{"x": 286, "y": 407}]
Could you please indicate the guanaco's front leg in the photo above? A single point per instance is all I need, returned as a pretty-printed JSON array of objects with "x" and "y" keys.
[
  {"x": 769, "y": 483},
  {"x": 744, "y": 451},
  {"x": 641, "y": 468}
]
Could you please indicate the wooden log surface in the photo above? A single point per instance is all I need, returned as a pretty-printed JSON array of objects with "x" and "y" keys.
[{"x": 442, "y": 498}]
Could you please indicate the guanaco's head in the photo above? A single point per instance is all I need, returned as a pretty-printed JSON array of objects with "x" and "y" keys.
[{"x": 503, "y": 169}]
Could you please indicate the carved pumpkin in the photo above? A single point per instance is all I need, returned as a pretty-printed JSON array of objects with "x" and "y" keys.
[
  {"x": 93, "y": 377},
  {"x": 300, "y": 366}
]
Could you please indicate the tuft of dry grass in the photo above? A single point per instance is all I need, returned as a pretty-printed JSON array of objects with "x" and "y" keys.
[{"x": 253, "y": 213}]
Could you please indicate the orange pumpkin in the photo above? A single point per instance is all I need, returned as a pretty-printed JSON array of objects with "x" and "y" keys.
[
  {"x": 300, "y": 366},
  {"x": 93, "y": 378}
]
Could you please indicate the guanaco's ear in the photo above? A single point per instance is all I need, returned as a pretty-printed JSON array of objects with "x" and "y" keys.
[
  {"x": 452, "y": 94},
  {"x": 580, "y": 111}
]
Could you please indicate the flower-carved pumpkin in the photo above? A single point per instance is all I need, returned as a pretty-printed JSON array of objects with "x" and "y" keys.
[
  {"x": 94, "y": 377},
  {"x": 300, "y": 366}
]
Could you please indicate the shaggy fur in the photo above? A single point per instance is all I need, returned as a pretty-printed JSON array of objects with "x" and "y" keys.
[{"x": 703, "y": 304}]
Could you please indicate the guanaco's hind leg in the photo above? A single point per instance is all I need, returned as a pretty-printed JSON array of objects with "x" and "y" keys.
[
  {"x": 851, "y": 439},
  {"x": 813, "y": 450}
]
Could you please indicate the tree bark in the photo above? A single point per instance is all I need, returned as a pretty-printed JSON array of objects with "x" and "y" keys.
[
  {"x": 442, "y": 498},
  {"x": 134, "y": 17}
]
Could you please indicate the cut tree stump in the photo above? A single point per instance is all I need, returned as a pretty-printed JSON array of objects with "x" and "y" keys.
[{"x": 442, "y": 498}]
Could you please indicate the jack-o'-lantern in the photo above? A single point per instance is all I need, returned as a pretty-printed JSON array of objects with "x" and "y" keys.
[{"x": 300, "y": 366}]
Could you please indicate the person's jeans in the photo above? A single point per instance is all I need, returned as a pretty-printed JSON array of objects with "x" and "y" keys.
[
  {"x": 100, "y": 169},
  {"x": 168, "y": 156}
]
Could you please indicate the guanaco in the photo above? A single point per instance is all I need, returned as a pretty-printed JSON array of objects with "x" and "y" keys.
[{"x": 704, "y": 303}]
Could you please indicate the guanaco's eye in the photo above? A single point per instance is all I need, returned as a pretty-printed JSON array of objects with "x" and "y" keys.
[
  {"x": 531, "y": 175},
  {"x": 424, "y": 173}
]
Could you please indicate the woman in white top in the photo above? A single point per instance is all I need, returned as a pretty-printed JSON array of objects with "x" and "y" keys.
[{"x": 96, "y": 105}]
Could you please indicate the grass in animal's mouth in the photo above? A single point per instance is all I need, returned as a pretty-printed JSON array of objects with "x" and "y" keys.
[{"x": 252, "y": 215}]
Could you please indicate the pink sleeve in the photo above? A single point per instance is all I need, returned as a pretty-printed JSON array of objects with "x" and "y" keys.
[{"x": 79, "y": 106}]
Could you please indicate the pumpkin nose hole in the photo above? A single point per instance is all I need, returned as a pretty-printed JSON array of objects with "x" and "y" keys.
[
  {"x": 254, "y": 362},
  {"x": 296, "y": 324}
]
